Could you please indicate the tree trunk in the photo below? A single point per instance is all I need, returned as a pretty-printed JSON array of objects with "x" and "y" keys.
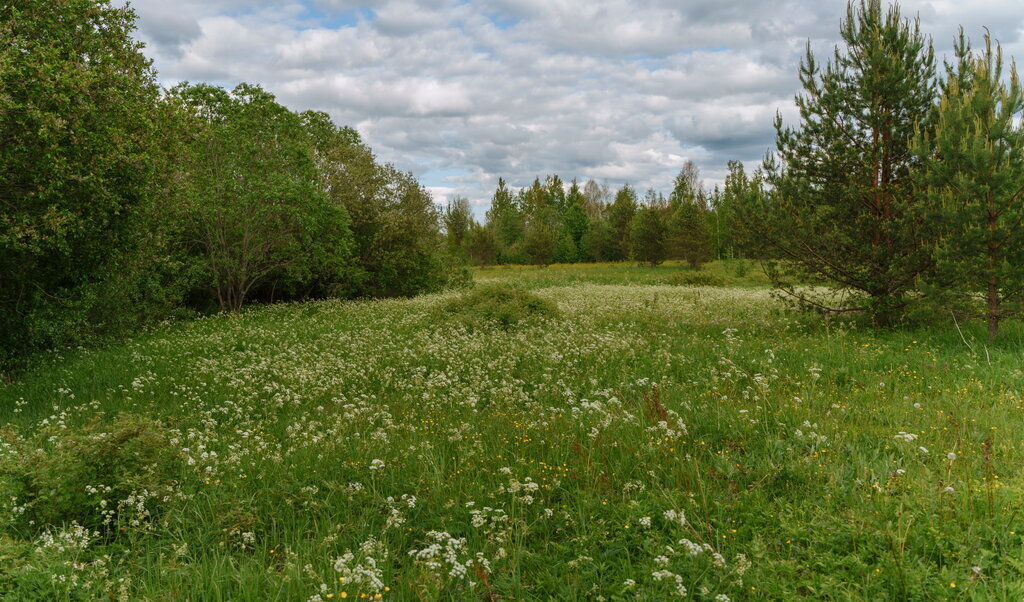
[{"x": 993, "y": 309}]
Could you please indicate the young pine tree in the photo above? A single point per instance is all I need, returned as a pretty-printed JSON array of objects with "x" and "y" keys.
[
  {"x": 689, "y": 233},
  {"x": 975, "y": 178},
  {"x": 620, "y": 216},
  {"x": 841, "y": 208},
  {"x": 648, "y": 236}
]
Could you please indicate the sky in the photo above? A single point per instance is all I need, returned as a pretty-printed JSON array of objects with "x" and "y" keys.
[{"x": 460, "y": 92}]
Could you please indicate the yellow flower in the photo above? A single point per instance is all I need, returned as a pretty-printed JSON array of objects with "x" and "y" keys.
[
  {"x": 952, "y": 585},
  {"x": 344, "y": 594}
]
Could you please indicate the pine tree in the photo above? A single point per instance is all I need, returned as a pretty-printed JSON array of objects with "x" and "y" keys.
[
  {"x": 506, "y": 219},
  {"x": 648, "y": 236},
  {"x": 541, "y": 240},
  {"x": 575, "y": 224},
  {"x": 620, "y": 216},
  {"x": 975, "y": 180},
  {"x": 689, "y": 233},
  {"x": 841, "y": 206}
]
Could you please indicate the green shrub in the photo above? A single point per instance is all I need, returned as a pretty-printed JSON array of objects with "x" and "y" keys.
[
  {"x": 694, "y": 279},
  {"x": 105, "y": 478},
  {"x": 499, "y": 305}
]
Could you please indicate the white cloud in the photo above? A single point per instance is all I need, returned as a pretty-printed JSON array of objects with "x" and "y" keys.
[{"x": 461, "y": 93}]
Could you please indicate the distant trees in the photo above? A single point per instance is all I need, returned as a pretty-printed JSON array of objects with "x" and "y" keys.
[
  {"x": 458, "y": 219},
  {"x": 648, "y": 236},
  {"x": 689, "y": 232}
]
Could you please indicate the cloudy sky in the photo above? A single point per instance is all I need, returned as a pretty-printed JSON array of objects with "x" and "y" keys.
[{"x": 460, "y": 92}]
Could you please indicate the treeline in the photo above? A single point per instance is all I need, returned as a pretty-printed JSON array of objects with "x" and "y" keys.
[
  {"x": 901, "y": 191},
  {"x": 554, "y": 222},
  {"x": 124, "y": 204}
]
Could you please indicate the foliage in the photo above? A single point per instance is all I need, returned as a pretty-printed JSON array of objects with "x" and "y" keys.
[
  {"x": 689, "y": 233},
  {"x": 648, "y": 236},
  {"x": 76, "y": 104},
  {"x": 620, "y": 216},
  {"x": 458, "y": 220},
  {"x": 482, "y": 244},
  {"x": 541, "y": 240},
  {"x": 257, "y": 215},
  {"x": 974, "y": 175},
  {"x": 396, "y": 227},
  {"x": 498, "y": 305},
  {"x": 842, "y": 201},
  {"x": 100, "y": 477}
]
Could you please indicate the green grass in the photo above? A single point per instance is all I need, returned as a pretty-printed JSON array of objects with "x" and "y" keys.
[
  {"x": 743, "y": 273},
  {"x": 550, "y": 461}
]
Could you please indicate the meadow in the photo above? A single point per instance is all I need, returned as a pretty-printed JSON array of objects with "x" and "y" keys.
[{"x": 649, "y": 439}]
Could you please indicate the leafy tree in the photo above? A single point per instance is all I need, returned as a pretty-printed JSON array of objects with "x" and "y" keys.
[
  {"x": 600, "y": 242},
  {"x": 76, "y": 111},
  {"x": 575, "y": 224},
  {"x": 689, "y": 233},
  {"x": 458, "y": 217},
  {"x": 736, "y": 193},
  {"x": 620, "y": 216},
  {"x": 555, "y": 189},
  {"x": 506, "y": 218},
  {"x": 398, "y": 245},
  {"x": 648, "y": 236},
  {"x": 687, "y": 185},
  {"x": 975, "y": 178},
  {"x": 535, "y": 200},
  {"x": 258, "y": 214},
  {"x": 595, "y": 198},
  {"x": 841, "y": 207},
  {"x": 541, "y": 240},
  {"x": 482, "y": 244}
]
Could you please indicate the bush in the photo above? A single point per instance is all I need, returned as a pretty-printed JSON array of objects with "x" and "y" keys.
[
  {"x": 499, "y": 305},
  {"x": 102, "y": 477},
  {"x": 694, "y": 279}
]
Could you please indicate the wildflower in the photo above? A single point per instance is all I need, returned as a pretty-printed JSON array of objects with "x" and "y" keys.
[
  {"x": 376, "y": 464},
  {"x": 951, "y": 456}
]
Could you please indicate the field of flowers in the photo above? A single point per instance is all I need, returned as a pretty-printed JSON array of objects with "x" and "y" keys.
[{"x": 647, "y": 442}]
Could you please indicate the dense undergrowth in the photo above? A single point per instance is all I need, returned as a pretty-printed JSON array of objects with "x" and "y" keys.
[{"x": 641, "y": 443}]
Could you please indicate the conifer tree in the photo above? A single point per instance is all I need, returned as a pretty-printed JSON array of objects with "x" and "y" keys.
[
  {"x": 689, "y": 233},
  {"x": 841, "y": 208},
  {"x": 975, "y": 180},
  {"x": 541, "y": 239},
  {"x": 648, "y": 236},
  {"x": 620, "y": 216},
  {"x": 505, "y": 218}
]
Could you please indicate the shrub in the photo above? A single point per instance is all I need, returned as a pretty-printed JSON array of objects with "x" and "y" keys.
[
  {"x": 102, "y": 477},
  {"x": 499, "y": 305},
  {"x": 694, "y": 279}
]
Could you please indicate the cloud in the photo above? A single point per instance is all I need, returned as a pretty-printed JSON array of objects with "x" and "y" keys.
[{"x": 461, "y": 93}]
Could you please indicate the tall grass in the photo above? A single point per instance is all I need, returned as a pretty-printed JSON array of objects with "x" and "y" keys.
[{"x": 642, "y": 443}]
